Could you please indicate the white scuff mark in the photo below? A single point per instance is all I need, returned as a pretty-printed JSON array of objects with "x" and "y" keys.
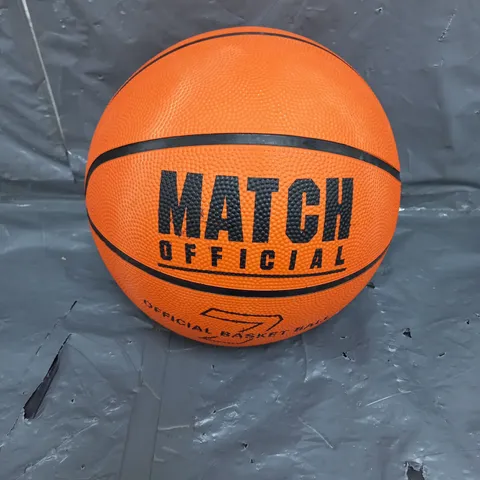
[
  {"x": 414, "y": 209},
  {"x": 387, "y": 398},
  {"x": 173, "y": 427},
  {"x": 56, "y": 454},
  {"x": 150, "y": 389},
  {"x": 170, "y": 450},
  {"x": 442, "y": 212},
  {"x": 228, "y": 407},
  {"x": 48, "y": 84},
  {"x": 186, "y": 349},
  {"x": 317, "y": 433}
]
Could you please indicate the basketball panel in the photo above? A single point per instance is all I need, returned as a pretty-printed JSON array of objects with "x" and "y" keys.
[
  {"x": 226, "y": 320},
  {"x": 124, "y": 196},
  {"x": 241, "y": 84}
]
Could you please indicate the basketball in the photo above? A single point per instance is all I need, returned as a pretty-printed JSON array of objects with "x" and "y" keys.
[{"x": 243, "y": 186}]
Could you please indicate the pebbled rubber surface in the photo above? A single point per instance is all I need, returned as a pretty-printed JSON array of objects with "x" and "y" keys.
[{"x": 221, "y": 161}]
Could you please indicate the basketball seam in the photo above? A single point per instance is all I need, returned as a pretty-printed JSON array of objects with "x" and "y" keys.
[
  {"x": 223, "y": 35},
  {"x": 233, "y": 292},
  {"x": 213, "y": 139},
  {"x": 249, "y": 275}
]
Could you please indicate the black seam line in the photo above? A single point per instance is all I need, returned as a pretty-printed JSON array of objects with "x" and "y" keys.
[
  {"x": 252, "y": 275},
  {"x": 278, "y": 316},
  {"x": 236, "y": 321},
  {"x": 242, "y": 314},
  {"x": 255, "y": 324},
  {"x": 265, "y": 139},
  {"x": 232, "y": 292},
  {"x": 224, "y": 35},
  {"x": 222, "y": 342}
]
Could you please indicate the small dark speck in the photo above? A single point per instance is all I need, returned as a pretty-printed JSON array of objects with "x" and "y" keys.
[
  {"x": 252, "y": 460},
  {"x": 441, "y": 354},
  {"x": 203, "y": 434},
  {"x": 370, "y": 285},
  {"x": 72, "y": 400},
  {"x": 407, "y": 332},
  {"x": 379, "y": 10},
  {"x": 468, "y": 322},
  {"x": 213, "y": 366},
  {"x": 244, "y": 445},
  {"x": 214, "y": 411},
  {"x": 477, "y": 315},
  {"x": 343, "y": 337},
  {"x": 345, "y": 355},
  {"x": 83, "y": 467}
]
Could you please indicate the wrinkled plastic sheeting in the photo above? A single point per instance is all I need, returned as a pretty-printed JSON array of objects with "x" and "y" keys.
[
  {"x": 32, "y": 147},
  {"x": 90, "y": 388}
]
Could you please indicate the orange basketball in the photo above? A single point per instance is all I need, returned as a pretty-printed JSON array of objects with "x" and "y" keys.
[{"x": 243, "y": 186}]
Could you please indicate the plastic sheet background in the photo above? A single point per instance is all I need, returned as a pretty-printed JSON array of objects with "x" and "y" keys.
[{"x": 387, "y": 390}]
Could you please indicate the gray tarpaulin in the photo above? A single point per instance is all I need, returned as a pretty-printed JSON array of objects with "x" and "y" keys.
[{"x": 389, "y": 389}]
